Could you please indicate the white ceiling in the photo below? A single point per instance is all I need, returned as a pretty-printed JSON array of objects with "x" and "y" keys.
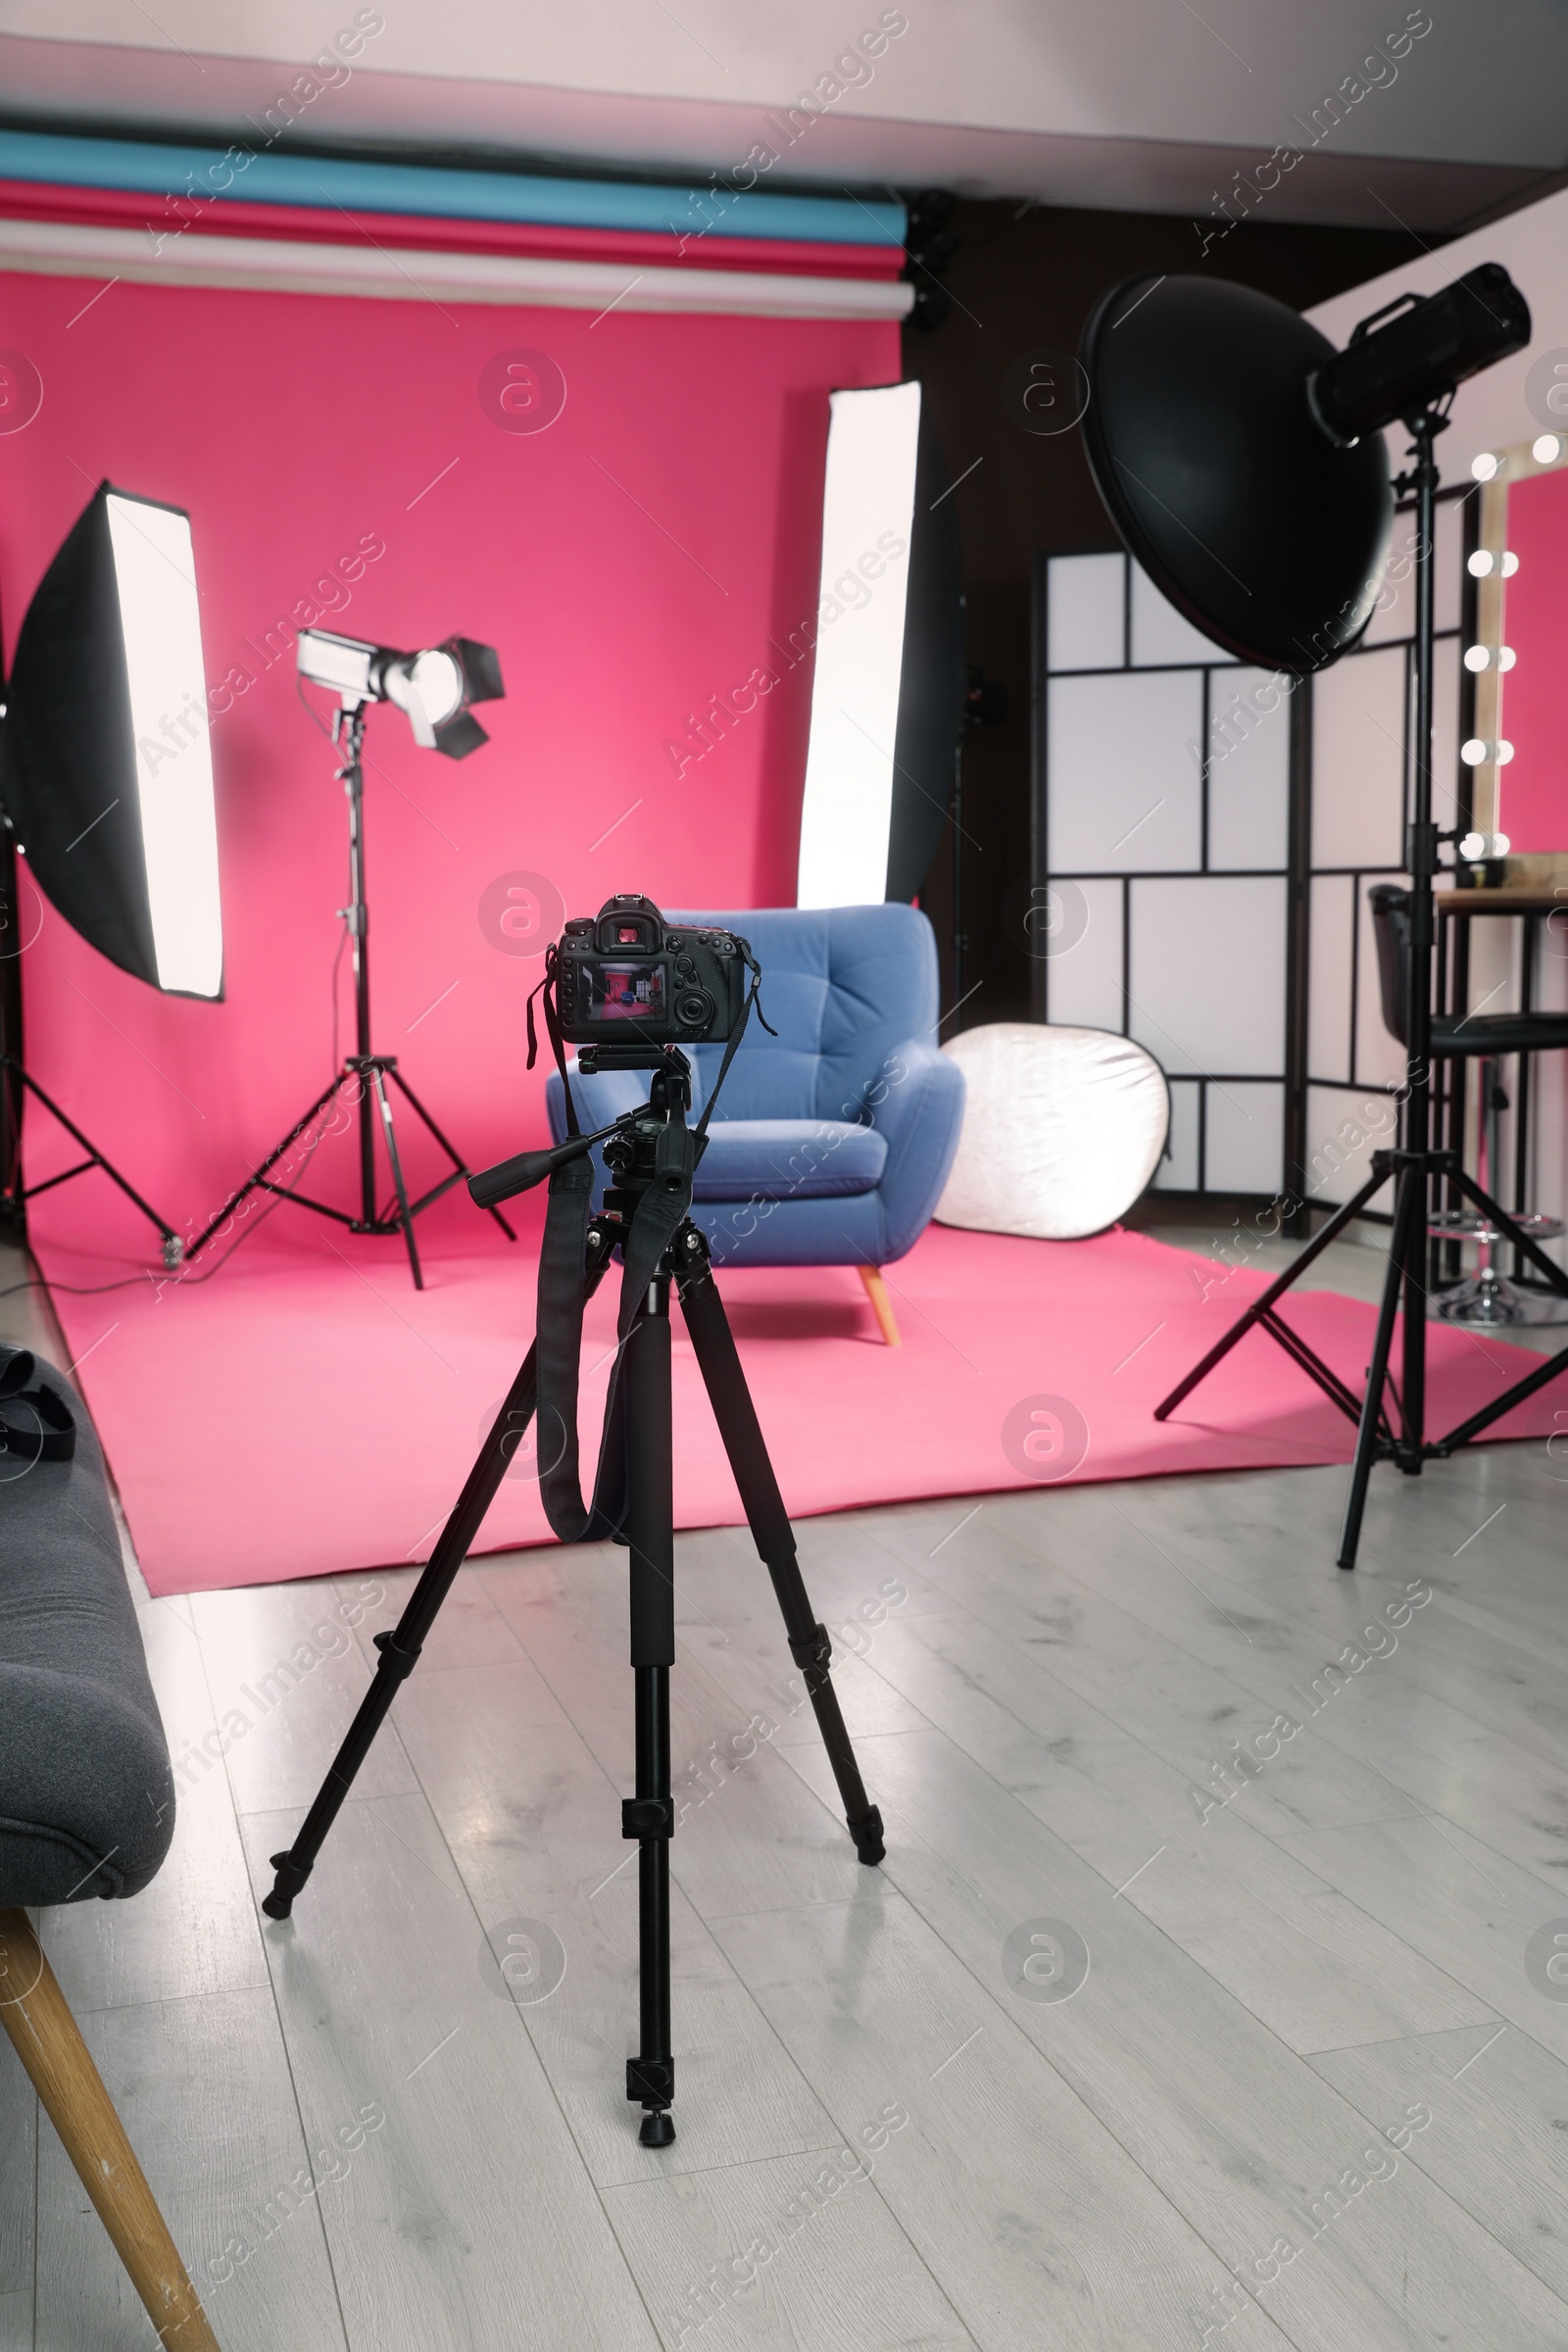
[{"x": 1124, "y": 103}]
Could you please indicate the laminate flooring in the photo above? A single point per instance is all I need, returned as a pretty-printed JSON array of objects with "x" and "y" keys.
[{"x": 1214, "y": 1988}]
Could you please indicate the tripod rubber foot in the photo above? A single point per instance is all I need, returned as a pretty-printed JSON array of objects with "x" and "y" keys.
[
  {"x": 291, "y": 1877},
  {"x": 867, "y": 1835},
  {"x": 658, "y": 2130}
]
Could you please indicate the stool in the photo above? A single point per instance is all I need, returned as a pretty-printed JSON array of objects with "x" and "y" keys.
[{"x": 1486, "y": 1297}]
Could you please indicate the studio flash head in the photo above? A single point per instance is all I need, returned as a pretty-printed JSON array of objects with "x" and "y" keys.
[
  {"x": 433, "y": 689},
  {"x": 1414, "y": 353}
]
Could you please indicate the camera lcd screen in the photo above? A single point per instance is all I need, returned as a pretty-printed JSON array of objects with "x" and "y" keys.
[{"x": 627, "y": 991}]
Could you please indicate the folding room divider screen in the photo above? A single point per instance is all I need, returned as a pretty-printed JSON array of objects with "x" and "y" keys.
[
  {"x": 1201, "y": 841},
  {"x": 1159, "y": 868}
]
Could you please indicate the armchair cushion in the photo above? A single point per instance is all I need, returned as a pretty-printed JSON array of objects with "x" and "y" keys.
[{"x": 788, "y": 1159}]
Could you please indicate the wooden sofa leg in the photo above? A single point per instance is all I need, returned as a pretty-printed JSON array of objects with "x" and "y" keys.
[
  {"x": 876, "y": 1290},
  {"x": 48, "y": 2040}
]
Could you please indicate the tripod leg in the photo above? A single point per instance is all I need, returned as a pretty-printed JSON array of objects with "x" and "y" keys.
[
  {"x": 650, "y": 1816},
  {"x": 1410, "y": 1204},
  {"x": 255, "y": 1179},
  {"x": 1413, "y": 1388},
  {"x": 400, "y": 1650},
  {"x": 1261, "y": 1309},
  {"x": 461, "y": 1166},
  {"x": 401, "y": 1188},
  {"x": 20, "y": 1081},
  {"x": 738, "y": 1425}
]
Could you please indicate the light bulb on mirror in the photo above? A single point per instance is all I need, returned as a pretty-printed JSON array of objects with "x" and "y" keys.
[
  {"x": 1546, "y": 452},
  {"x": 1506, "y": 657},
  {"x": 1473, "y": 752},
  {"x": 1509, "y": 564},
  {"x": 1484, "y": 467},
  {"x": 1477, "y": 657},
  {"x": 1479, "y": 565}
]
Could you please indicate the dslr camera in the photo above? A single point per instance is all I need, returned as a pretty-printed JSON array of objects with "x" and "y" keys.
[{"x": 624, "y": 976}]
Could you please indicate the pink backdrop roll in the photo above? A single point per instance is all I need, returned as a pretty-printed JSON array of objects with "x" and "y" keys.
[{"x": 649, "y": 550}]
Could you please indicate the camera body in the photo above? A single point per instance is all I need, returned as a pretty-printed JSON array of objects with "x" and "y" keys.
[{"x": 624, "y": 977}]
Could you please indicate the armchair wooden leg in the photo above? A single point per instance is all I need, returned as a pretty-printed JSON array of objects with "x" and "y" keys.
[
  {"x": 48, "y": 2040},
  {"x": 876, "y": 1290}
]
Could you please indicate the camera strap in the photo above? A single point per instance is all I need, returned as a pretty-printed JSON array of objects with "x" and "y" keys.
[{"x": 564, "y": 1296}]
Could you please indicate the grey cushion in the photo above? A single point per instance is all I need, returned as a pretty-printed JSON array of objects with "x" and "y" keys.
[{"x": 86, "y": 1794}]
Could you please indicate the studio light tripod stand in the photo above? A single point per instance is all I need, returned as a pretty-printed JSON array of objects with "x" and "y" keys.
[
  {"x": 366, "y": 1075},
  {"x": 649, "y": 1154},
  {"x": 1391, "y": 1415}
]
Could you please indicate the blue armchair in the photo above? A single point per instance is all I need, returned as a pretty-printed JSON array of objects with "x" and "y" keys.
[{"x": 832, "y": 1141}]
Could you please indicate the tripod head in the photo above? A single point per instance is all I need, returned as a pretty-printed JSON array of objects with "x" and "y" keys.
[{"x": 639, "y": 1136}]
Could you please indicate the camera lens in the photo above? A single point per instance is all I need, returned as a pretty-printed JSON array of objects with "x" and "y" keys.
[{"x": 694, "y": 1009}]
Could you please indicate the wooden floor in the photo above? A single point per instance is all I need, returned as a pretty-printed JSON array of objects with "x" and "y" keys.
[{"x": 1208, "y": 1984}]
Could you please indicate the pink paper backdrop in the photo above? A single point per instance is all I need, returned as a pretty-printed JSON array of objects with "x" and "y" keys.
[
  {"x": 1535, "y": 693},
  {"x": 633, "y": 561}
]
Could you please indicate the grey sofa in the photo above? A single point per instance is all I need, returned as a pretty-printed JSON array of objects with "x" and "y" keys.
[{"x": 86, "y": 1794}]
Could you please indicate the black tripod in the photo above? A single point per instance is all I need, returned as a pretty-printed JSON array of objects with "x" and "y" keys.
[
  {"x": 638, "y": 1446},
  {"x": 364, "y": 1073},
  {"x": 1400, "y": 1437}
]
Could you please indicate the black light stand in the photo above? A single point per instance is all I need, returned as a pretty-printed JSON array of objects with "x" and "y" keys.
[
  {"x": 364, "y": 1070},
  {"x": 643, "y": 1439},
  {"x": 1399, "y": 1435},
  {"x": 16, "y": 1084}
]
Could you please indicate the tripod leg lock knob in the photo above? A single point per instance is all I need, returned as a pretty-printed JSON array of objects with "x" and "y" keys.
[
  {"x": 398, "y": 1663},
  {"x": 814, "y": 1652},
  {"x": 652, "y": 2081},
  {"x": 867, "y": 1835},
  {"x": 647, "y": 1817},
  {"x": 291, "y": 1877}
]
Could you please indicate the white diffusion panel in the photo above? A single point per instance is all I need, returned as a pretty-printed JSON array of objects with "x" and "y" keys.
[
  {"x": 1082, "y": 982},
  {"x": 1178, "y": 1170},
  {"x": 1358, "y": 762},
  {"x": 1159, "y": 634},
  {"x": 1248, "y": 770},
  {"x": 868, "y": 510},
  {"x": 1379, "y": 1056},
  {"x": 1206, "y": 973},
  {"x": 1123, "y": 789},
  {"x": 1243, "y": 1135},
  {"x": 160, "y": 617},
  {"x": 1329, "y": 970},
  {"x": 1086, "y": 612}
]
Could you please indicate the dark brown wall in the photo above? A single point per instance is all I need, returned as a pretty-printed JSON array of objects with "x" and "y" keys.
[{"x": 1022, "y": 281}]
